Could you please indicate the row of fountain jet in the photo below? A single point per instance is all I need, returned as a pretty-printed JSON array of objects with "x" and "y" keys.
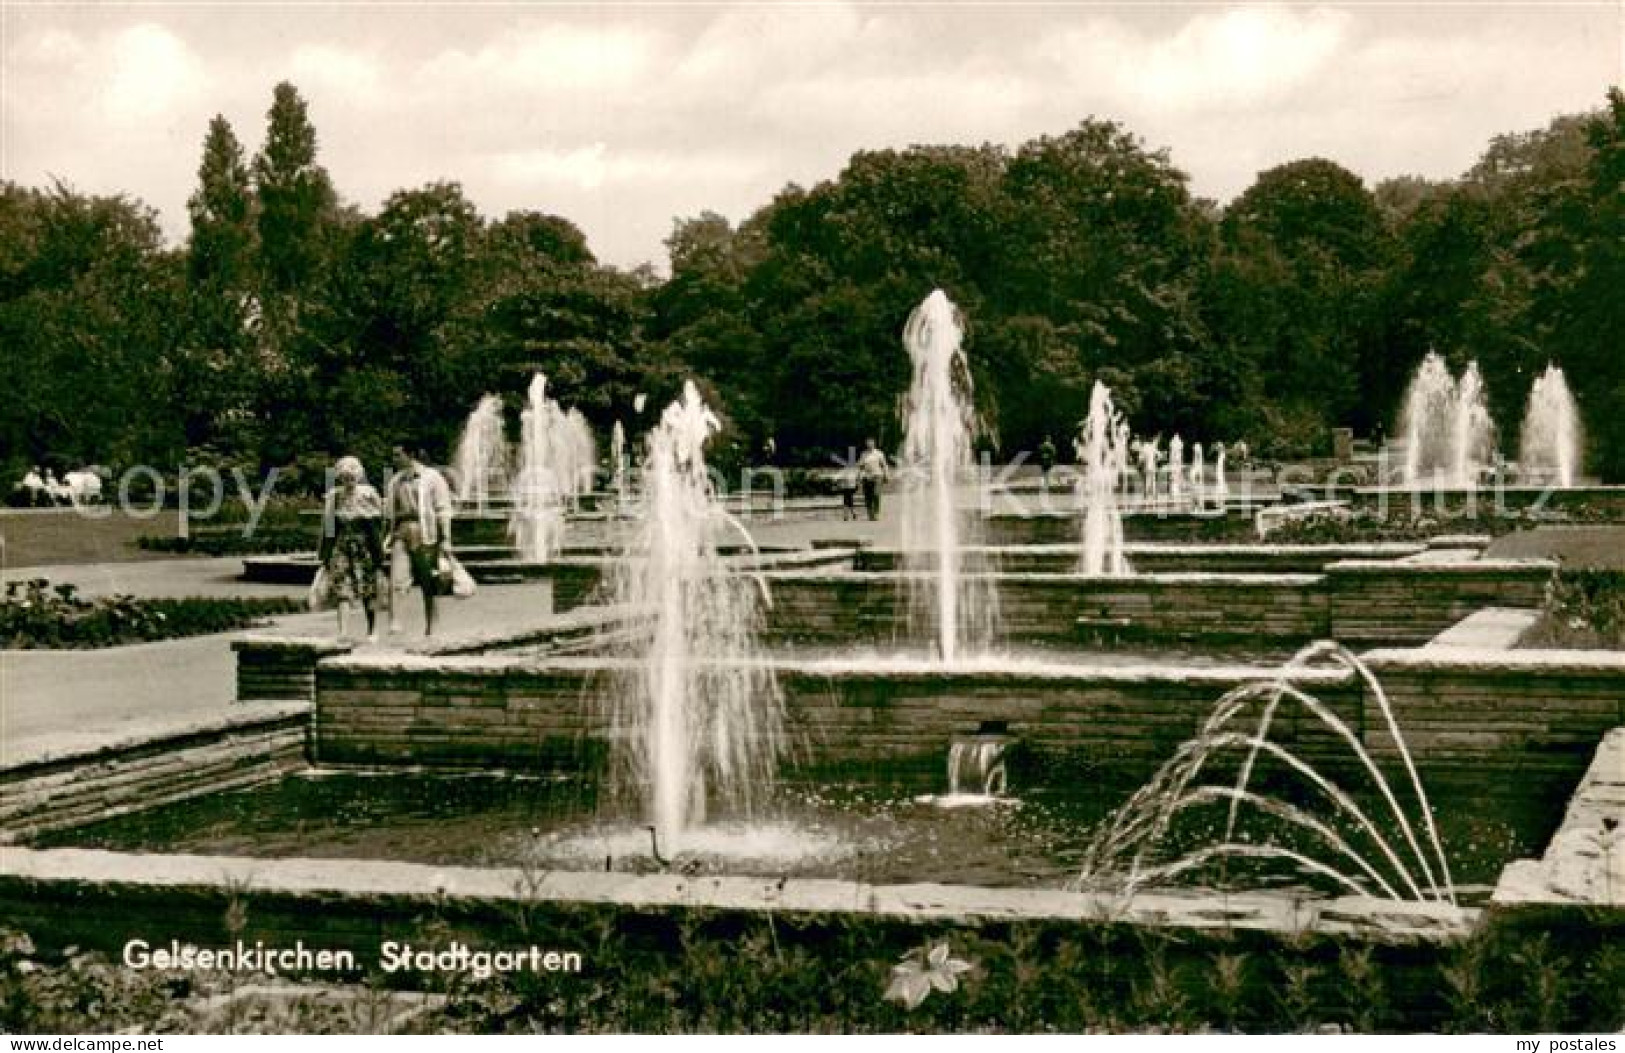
[
  {"x": 698, "y": 716},
  {"x": 1448, "y": 436},
  {"x": 557, "y": 464}
]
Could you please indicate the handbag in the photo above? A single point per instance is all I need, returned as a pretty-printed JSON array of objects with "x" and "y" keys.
[
  {"x": 453, "y": 578},
  {"x": 316, "y": 599}
]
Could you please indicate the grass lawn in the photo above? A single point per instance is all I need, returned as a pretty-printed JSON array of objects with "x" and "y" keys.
[
  {"x": 50, "y": 536},
  {"x": 1597, "y": 547}
]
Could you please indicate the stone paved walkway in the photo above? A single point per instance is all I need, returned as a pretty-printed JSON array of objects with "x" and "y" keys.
[{"x": 59, "y": 701}]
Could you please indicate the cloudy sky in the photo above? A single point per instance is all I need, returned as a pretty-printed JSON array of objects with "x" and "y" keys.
[{"x": 621, "y": 116}]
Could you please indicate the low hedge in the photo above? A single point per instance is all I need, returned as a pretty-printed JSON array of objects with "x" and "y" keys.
[{"x": 231, "y": 541}]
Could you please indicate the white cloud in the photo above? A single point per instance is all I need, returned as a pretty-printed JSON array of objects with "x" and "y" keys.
[
  {"x": 626, "y": 116},
  {"x": 1242, "y": 57},
  {"x": 146, "y": 74},
  {"x": 595, "y": 167},
  {"x": 539, "y": 58},
  {"x": 748, "y": 43},
  {"x": 352, "y": 75}
]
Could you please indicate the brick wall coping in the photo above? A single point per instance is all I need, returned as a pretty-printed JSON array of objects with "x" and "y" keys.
[
  {"x": 1463, "y": 566},
  {"x": 989, "y": 670},
  {"x": 1460, "y": 541},
  {"x": 1428, "y": 489},
  {"x": 1284, "y": 913},
  {"x": 1008, "y": 670},
  {"x": 1498, "y": 660},
  {"x": 1394, "y": 549},
  {"x": 1490, "y": 628},
  {"x": 157, "y": 735},
  {"x": 573, "y": 622},
  {"x": 767, "y": 558},
  {"x": 275, "y": 641},
  {"x": 1233, "y": 579}
]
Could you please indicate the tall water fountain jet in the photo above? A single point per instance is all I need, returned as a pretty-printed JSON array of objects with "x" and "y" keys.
[
  {"x": 617, "y": 462},
  {"x": 1150, "y": 458},
  {"x": 1549, "y": 446},
  {"x": 958, "y": 609},
  {"x": 700, "y": 716},
  {"x": 481, "y": 460},
  {"x": 1425, "y": 425},
  {"x": 580, "y": 456},
  {"x": 1205, "y": 811},
  {"x": 1445, "y": 426},
  {"x": 1176, "y": 467},
  {"x": 1104, "y": 448},
  {"x": 541, "y": 487},
  {"x": 1473, "y": 433}
]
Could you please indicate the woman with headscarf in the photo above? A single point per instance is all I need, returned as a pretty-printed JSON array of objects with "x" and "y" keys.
[{"x": 352, "y": 549}]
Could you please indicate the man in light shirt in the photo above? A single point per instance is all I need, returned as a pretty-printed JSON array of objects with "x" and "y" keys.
[
  {"x": 872, "y": 471},
  {"x": 420, "y": 529}
]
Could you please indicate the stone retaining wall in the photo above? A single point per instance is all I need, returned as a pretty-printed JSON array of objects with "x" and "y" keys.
[
  {"x": 873, "y": 609},
  {"x": 1398, "y": 503},
  {"x": 280, "y": 668},
  {"x": 1061, "y": 527},
  {"x": 1168, "y": 558},
  {"x": 1365, "y": 602},
  {"x": 1585, "y": 862},
  {"x": 190, "y": 761},
  {"x": 1460, "y": 712},
  {"x": 1376, "y": 602}
]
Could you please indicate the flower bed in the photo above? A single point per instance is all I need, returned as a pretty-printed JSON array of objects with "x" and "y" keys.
[
  {"x": 1585, "y": 610},
  {"x": 36, "y": 614},
  {"x": 824, "y": 975}
]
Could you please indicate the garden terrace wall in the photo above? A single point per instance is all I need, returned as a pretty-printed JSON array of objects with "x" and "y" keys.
[
  {"x": 274, "y": 668},
  {"x": 1605, "y": 502},
  {"x": 1486, "y": 720},
  {"x": 1585, "y": 861},
  {"x": 280, "y": 668},
  {"x": 1159, "y": 558},
  {"x": 873, "y": 609},
  {"x": 1374, "y": 602},
  {"x": 577, "y": 581},
  {"x": 1062, "y": 527},
  {"x": 1364, "y": 602},
  {"x": 192, "y": 760},
  {"x": 527, "y": 714},
  {"x": 1457, "y": 707}
]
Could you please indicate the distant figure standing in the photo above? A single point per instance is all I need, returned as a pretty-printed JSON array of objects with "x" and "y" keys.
[
  {"x": 55, "y": 491},
  {"x": 1046, "y": 459},
  {"x": 33, "y": 487},
  {"x": 872, "y": 471},
  {"x": 420, "y": 528},
  {"x": 352, "y": 552},
  {"x": 84, "y": 487},
  {"x": 847, "y": 483}
]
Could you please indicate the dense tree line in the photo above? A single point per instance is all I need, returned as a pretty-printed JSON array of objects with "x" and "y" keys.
[{"x": 292, "y": 325}]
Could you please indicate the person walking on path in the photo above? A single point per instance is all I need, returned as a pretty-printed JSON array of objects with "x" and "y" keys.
[
  {"x": 872, "y": 471},
  {"x": 1046, "y": 460},
  {"x": 846, "y": 481},
  {"x": 352, "y": 550},
  {"x": 420, "y": 530}
]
